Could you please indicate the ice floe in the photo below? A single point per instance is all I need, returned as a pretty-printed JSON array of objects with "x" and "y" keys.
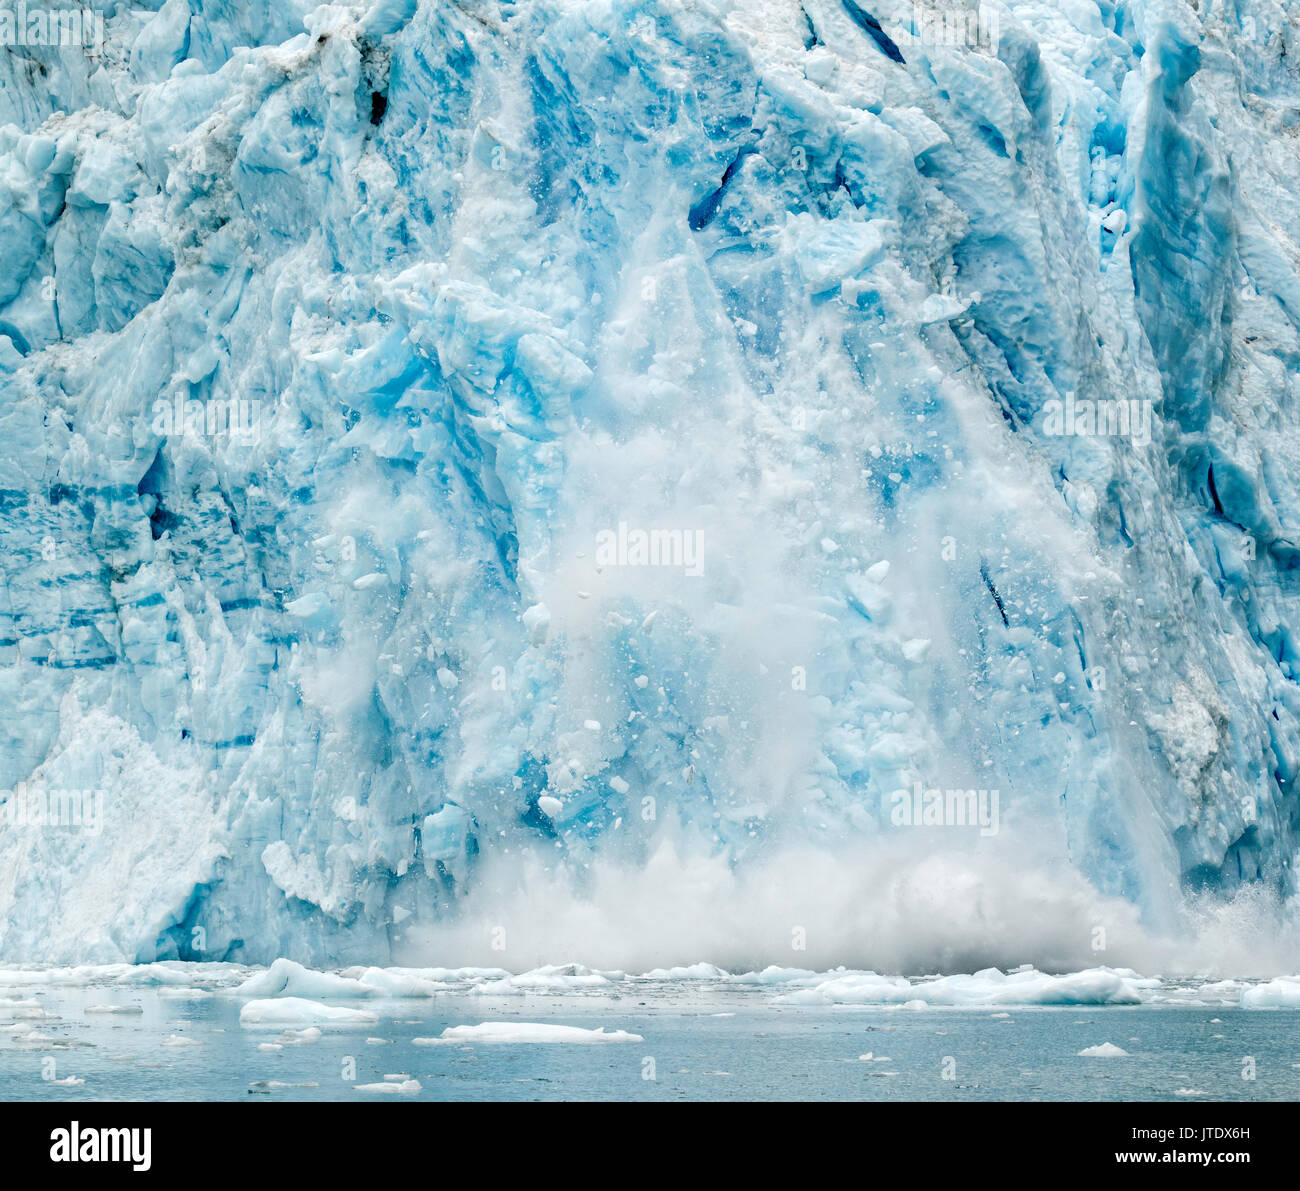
[
  {"x": 527, "y": 1032},
  {"x": 1107, "y": 1050},
  {"x": 299, "y": 1009}
]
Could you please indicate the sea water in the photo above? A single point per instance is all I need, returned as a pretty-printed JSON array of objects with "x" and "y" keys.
[{"x": 691, "y": 1040}]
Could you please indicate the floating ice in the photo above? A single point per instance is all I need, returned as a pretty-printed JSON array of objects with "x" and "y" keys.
[
  {"x": 1106, "y": 1050},
  {"x": 1098, "y": 986},
  {"x": 1282, "y": 993},
  {"x": 302, "y": 1037},
  {"x": 700, "y": 971},
  {"x": 407, "y": 1087},
  {"x": 528, "y": 1032},
  {"x": 286, "y": 978},
  {"x": 298, "y": 1009}
]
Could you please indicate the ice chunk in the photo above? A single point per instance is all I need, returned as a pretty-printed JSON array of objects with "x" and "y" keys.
[
  {"x": 286, "y": 978},
  {"x": 1282, "y": 993},
  {"x": 528, "y": 1032},
  {"x": 1106, "y": 1050},
  {"x": 1097, "y": 986},
  {"x": 298, "y": 1009},
  {"x": 406, "y": 1087}
]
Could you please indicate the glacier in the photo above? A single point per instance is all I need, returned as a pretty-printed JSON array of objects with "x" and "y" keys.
[{"x": 494, "y": 482}]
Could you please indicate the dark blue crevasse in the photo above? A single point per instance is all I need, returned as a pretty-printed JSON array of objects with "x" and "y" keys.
[
  {"x": 702, "y": 213},
  {"x": 870, "y": 26}
]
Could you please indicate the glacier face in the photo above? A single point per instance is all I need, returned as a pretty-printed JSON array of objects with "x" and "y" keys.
[{"x": 350, "y": 357}]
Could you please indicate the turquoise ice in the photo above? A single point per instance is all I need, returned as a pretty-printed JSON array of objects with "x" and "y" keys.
[{"x": 346, "y": 351}]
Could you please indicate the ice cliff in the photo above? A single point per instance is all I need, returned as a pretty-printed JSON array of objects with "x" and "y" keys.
[{"x": 520, "y": 464}]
